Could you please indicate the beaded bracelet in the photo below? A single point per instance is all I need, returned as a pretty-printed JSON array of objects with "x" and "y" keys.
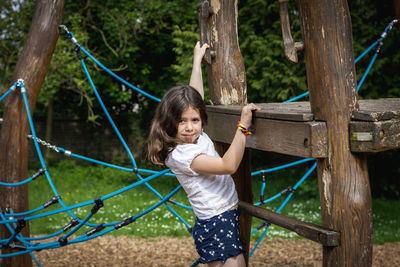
[{"x": 243, "y": 129}]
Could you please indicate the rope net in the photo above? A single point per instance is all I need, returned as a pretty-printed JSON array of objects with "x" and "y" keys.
[{"x": 68, "y": 234}]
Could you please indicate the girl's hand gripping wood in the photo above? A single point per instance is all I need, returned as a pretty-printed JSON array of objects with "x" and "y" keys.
[{"x": 229, "y": 163}]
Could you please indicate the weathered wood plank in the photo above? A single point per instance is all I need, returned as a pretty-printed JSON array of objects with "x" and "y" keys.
[
  {"x": 310, "y": 231},
  {"x": 294, "y": 111},
  {"x": 370, "y": 110},
  {"x": 374, "y": 136},
  {"x": 303, "y": 139},
  {"x": 378, "y": 110}
]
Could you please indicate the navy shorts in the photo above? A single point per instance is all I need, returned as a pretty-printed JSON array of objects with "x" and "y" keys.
[{"x": 217, "y": 238}]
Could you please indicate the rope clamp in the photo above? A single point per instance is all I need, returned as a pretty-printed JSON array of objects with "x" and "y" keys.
[
  {"x": 68, "y": 34},
  {"x": 67, "y": 153},
  {"x": 125, "y": 222},
  {"x": 20, "y": 225},
  {"x": 20, "y": 83},
  {"x": 63, "y": 241},
  {"x": 38, "y": 173},
  {"x": 52, "y": 201},
  {"x": 35, "y": 245},
  {"x": 13, "y": 87},
  {"x": 14, "y": 245},
  {"x": 289, "y": 189},
  {"x": 78, "y": 52},
  {"x": 98, "y": 205},
  {"x": 95, "y": 230},
  {"x": 71, "y": 224},
  {"x": 262, "y": 191},
  {"x": 172, "y": 201},
  {"x": 264, "y": 223}
]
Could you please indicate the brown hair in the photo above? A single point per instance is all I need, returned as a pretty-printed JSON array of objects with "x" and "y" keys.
[{"x": 162, "y": 139}]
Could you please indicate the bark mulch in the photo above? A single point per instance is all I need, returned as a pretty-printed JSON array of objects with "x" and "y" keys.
[{"x": 173, "y": 251}]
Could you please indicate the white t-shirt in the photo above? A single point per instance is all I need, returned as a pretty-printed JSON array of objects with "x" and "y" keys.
[{"x": 208, "y": 194}]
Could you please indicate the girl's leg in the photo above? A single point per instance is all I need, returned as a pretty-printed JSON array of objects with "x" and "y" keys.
[
  {"x": 215, "y": 264},
  {"x": 237, "y": 261}
]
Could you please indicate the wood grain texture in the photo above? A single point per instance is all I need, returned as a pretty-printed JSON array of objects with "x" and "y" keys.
[
  {"x": 344, "y": 186},
  {"x": 302, "y": 139},
  {"x": 310, "y": 231},
  {"x": 32, "y": 66},
  {"x": 385, "y": 135},
  {"x": 377, "y": 110},
  {"x": 226, "y": 75}
]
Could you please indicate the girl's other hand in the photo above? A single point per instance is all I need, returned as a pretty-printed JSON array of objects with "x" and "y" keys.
[
  {"x": 199, "y": 52},
  {"x": 246, "y": 116}
]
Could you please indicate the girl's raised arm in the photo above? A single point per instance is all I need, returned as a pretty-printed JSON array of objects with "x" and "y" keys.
[
  {"x": 230, "y": 161},
  {"x": 196, "y": 78}
]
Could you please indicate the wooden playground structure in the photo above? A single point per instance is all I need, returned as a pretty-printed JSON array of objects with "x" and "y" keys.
[{"x": 334, "y": 127}]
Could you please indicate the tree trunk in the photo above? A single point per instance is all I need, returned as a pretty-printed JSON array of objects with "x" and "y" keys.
[
  {"x": 227, "y": 84},
  {"x": 343, "y": 177},
  {"x": 32, "y": 67}
]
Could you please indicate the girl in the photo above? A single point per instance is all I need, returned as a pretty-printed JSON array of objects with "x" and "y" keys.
[{"x": 177, "y": 140}]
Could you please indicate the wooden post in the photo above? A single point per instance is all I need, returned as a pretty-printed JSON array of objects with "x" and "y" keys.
[
  {"x": 227, "y": 84},
  {"x": 226, "y": 74},
  {"x": 343, "y": 177},
  {"x": 32, "y": 66},
  {"x": 396, "y": 4}
]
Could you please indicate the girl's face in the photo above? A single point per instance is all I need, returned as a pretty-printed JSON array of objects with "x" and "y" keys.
[{"x": 189, "y": 126}]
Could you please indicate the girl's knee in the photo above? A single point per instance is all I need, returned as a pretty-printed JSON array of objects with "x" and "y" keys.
[{"x": 236, "y": 261}]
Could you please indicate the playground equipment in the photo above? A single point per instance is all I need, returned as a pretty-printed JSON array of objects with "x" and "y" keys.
[
  {"x": 331, "y": 127},
  {"x": 316, "y": 137}
]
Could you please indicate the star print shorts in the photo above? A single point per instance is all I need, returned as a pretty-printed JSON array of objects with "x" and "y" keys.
[{"x": 217, "y": 238}]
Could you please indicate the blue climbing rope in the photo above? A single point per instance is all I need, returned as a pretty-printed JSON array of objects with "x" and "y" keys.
[
  {"x": 379, "y": 41},
  {"x": 14, "y": 222}
]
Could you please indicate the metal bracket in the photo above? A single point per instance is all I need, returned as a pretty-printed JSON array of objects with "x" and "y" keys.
[
  {"x": 361, "y": 136},
  {"x": 290, "y": 46}
]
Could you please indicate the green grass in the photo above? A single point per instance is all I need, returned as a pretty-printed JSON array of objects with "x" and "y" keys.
[{"x": 76, "y": 184}]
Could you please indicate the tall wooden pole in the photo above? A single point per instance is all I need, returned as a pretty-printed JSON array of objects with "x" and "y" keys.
[
  {"x": 227, "y": 84},
  {"x": 343, "y": 177},
  {"x": 396, "y": 5},
  {"x": 32, "y": 66}
]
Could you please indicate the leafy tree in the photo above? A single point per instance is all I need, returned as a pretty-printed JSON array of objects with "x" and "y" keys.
[
  {"x": 15, "y": 20},
  {"x": 369, "y": 19},
  {"x": 270, "y": 76}
]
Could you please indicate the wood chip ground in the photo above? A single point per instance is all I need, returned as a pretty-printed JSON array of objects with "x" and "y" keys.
[{"x": 172, "y": 251}]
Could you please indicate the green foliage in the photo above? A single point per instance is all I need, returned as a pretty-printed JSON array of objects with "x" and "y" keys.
[
  {"x": 15, "y": 19},
  {"x": 369, "y": 20},
  {"x": 270, "y": 76}
]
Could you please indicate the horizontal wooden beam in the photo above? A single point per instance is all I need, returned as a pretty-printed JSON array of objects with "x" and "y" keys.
[
  {"x": 290, "y": 128},
  {"x": 313, "y": 232},
  {"x": 306, "y": 139},
  {"x": 374, "y": 136}
]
